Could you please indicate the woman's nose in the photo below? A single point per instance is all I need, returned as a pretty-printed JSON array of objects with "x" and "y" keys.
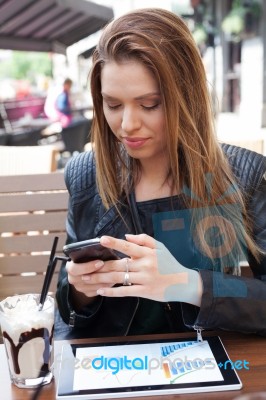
[{"x": 130, "y": 120}]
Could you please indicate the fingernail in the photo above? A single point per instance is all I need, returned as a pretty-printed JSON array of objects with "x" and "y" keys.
[
  {"x": 100, "y": 292},
  {"x": 129, "y": 235},
  {"x": 99, "y": 264},
  {"x": 105, "y": 240}
]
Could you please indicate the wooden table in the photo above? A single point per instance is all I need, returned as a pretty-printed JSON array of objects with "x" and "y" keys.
[{"x": 239, "y": 347}]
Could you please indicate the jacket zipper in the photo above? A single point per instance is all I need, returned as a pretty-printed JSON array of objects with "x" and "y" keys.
[
  {"x": 199, "y": 330},
  {"x": 130, "y": 322},
  {"x": 71, "y": 321}
]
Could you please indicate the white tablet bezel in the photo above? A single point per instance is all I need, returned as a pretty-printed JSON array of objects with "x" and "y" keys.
[{"x": 65, "y": 389}]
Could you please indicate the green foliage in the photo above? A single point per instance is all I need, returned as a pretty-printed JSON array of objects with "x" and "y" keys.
[
  {"x": 234, "y": 23},
  {"x": 200, "y": 35},
  {"x": 26, "y": 65}
]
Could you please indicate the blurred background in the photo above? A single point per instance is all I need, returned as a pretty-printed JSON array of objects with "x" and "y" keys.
[{"x": 42, "y": 42}]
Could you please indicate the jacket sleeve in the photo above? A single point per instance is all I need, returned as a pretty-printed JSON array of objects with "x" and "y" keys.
[
  {"x": 257, "y": 212},
  {"x": 238, "y": 303},
  {"x": 77, "y": 180},
  {"x": 63, "y": 293}
]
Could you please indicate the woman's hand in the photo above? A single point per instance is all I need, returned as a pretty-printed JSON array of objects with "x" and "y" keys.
[
  {"x": 80, "y": 276},
  {"x": 153, "y": 273},
  {"x": 86, "y": 278}
]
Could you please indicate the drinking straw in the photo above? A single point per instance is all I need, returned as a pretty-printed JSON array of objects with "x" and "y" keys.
[
  {"x": 37, "y": 392},
  {"x": 49, "y": 273}
]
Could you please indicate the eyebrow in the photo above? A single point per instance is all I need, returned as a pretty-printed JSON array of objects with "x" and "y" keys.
[{"x": 142, "y": 97}]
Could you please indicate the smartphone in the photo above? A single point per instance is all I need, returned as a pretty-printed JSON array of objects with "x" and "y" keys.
[{"x": 89, "y": 250}]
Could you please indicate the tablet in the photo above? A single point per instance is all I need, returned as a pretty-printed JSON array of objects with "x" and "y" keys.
[{"x": 145, "y": 368}]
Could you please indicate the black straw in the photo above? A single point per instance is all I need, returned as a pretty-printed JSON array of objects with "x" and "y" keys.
[
  {"x": 52, "y": 254},
  {"x": 49, "y": 274}
]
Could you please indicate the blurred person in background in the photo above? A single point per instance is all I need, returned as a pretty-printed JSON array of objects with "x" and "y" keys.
[{"x": 57, "y": 105}]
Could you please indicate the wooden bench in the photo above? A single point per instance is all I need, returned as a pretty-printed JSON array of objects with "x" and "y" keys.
[{"x": 33, "y": 211}]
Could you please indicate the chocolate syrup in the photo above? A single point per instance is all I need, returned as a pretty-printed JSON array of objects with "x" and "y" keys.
[{"x": 24, "y": 338}]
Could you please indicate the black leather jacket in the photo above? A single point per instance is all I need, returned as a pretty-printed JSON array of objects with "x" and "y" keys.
[{"x": 243, "y": 304}]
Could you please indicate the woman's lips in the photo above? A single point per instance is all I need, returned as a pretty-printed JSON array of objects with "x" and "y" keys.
[{"x": 134, "y": 143}]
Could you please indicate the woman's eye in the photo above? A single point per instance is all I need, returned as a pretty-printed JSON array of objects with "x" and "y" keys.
[
  {"x": 113, "y": 107},
  {"x": 152, "y": 107}
]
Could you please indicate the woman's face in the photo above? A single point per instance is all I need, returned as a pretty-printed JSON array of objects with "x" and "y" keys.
[{"x": 133, "y": 110}]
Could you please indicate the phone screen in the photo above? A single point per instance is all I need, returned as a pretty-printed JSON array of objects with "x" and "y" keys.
[{"x": 89, "y": 250}]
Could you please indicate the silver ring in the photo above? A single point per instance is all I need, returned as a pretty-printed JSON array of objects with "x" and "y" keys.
[
  {"x": 126, "y": 280},
  {"x": 126, "y": 277}
]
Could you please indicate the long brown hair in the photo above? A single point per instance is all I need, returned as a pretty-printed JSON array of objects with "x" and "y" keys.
[{"x": 163, "y": 43}]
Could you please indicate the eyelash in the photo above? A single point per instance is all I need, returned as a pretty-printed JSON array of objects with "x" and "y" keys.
[{"x": 151, "y": 108}]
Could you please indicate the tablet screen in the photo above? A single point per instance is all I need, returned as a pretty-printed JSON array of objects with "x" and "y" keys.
[{"x": 145, "y": 368}]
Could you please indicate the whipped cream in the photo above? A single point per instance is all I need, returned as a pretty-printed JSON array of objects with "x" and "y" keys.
[{"x": 22, "y": 314}]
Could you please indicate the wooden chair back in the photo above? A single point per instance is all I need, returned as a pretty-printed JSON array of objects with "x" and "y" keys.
[
  {"x": 33, "y": 211},
  {"x": 21, "y": 160}
]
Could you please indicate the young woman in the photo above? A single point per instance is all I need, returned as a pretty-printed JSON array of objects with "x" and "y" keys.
[{"x": 158, "y": 188}]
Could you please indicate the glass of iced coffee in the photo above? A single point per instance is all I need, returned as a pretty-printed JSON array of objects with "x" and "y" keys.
[{"x": 28, "y": 334}]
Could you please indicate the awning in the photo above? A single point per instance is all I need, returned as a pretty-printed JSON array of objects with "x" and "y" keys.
[
  {"x": 49, "y": 25},
  {"x": 87, "y": 53}
]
